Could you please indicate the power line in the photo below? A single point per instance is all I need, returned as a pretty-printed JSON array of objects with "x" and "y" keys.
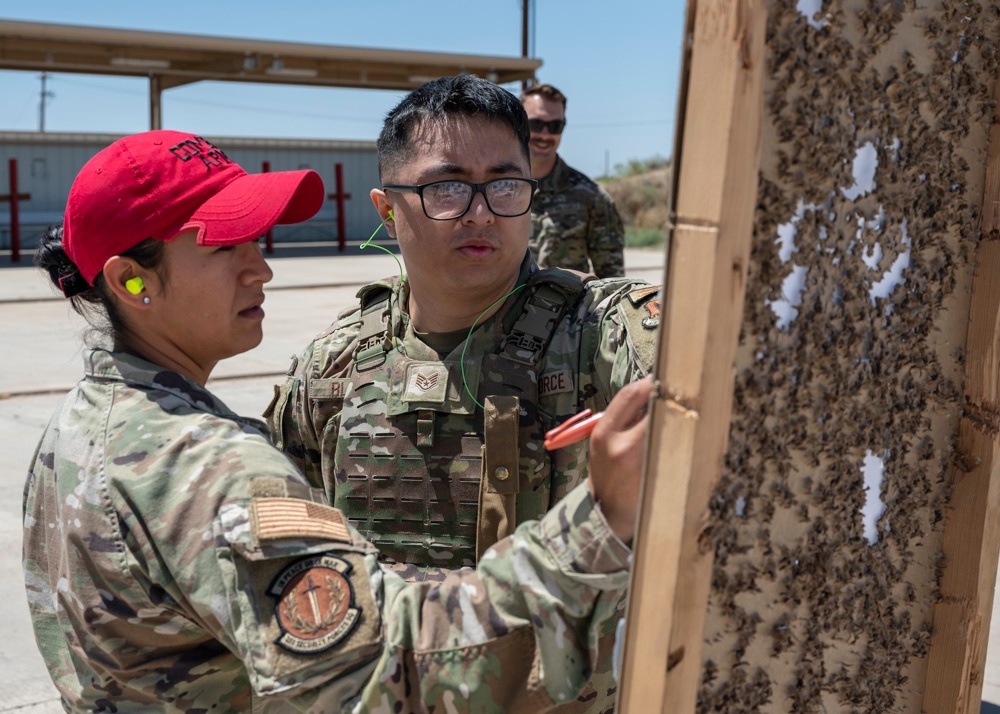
[
  {"x": 641, "y": 122},
  {"x": 24, "y": 107},
  {"x": 283, "y": 112},
  {"x": 230, "y": 105}
]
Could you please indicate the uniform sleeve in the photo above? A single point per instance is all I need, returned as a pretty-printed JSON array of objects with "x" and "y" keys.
[
  {"x": 308, "y": 399},
  {"x": 517, "y": 634},
  {"x": 606, "y": 237},
  {"x": 251, "y": 555},
  {"x": 628, "y": 338},
  {"x": 288, "y": 419}
]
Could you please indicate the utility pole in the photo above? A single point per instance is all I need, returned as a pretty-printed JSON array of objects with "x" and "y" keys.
[
  {"x": 41, "y": 104},
  {"x": 525, "y": 32}
]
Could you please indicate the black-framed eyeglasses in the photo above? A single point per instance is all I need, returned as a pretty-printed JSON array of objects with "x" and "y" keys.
[
  {"x": 555, "y": 126},
  {"x": 451, "y": 199}
]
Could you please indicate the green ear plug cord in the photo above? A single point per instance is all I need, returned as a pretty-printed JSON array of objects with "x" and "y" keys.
[{"x": 368, "y": 244}]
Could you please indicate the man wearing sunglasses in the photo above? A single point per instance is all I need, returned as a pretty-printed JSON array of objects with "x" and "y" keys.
[
  {"x": 422, "y": 410},
  {"x": 574, "y": 223}
]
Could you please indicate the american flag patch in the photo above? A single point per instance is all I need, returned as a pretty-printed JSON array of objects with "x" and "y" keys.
[{"x": 283, "y": 518}]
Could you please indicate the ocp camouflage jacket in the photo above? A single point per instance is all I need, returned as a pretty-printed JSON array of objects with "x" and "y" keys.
[
  {"x": 575, "y": 225},
  {"x": 174, "y": 560}
]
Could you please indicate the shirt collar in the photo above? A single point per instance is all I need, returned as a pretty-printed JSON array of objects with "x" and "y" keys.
[
  {"x": 555, "y": 178},
  {"x": 105, "y": 366}
]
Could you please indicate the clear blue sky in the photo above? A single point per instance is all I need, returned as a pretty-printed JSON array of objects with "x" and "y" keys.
[{"x": 616, "y": 61}]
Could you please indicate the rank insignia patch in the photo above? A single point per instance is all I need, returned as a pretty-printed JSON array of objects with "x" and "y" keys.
[
  {"x": 315, "y": 607},
  {"x": 426, "y": 382}
]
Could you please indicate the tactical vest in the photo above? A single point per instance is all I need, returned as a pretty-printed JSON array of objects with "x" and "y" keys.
[{"x": 420, "y": 469}]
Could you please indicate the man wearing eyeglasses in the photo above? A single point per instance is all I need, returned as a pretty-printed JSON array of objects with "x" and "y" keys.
[
  {"x": 574, "y": 222},
  {"x": 422, "y": 410}
]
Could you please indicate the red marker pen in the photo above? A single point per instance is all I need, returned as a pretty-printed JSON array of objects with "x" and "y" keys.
[{"x": 572, "y": 430}]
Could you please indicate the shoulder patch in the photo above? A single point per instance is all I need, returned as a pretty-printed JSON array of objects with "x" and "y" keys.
[
  {"x": 316, "y": 607},
  {"x": 647, "y": 299},
  {"x": 641, "y": 317},
  {"x": 640, "y": 295},
  {"x": 652, "y": 318},
  {"x": 289, "y": 518}
]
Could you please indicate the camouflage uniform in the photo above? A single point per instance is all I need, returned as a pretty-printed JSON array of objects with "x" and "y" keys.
[
  {"x": 574, "y": 224},
  {"x": 174, "y": 560},
  {"x": 385, "y": 424}
]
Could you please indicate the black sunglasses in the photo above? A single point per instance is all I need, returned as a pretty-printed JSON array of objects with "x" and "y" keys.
[{"x": 555, "y": 126}]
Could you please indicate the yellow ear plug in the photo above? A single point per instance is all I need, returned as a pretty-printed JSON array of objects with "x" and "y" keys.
[
  {"x": 391, "y": 217},
  {"x": 134, "y": 285}
]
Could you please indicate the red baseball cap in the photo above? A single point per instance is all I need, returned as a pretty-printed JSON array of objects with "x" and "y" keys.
[{"x": 160, "y": 183}]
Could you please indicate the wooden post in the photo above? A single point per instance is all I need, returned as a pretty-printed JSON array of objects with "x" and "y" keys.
[
  {"x": 957, "y": 658},
  {"x": 155, "y": 102},
  {"x": 339, "y": 196},
  {"x": 715, "y": 189},
  {"x": 15, "y": 218}
]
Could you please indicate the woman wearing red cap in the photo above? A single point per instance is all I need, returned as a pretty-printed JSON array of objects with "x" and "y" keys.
[{"x": 175, "y": 560}]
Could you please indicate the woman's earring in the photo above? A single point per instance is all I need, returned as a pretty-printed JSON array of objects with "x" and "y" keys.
[{"x": 145, "y": 299}]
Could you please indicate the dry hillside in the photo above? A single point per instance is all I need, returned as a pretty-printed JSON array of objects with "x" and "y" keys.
[{"x": 641, "y": 198}]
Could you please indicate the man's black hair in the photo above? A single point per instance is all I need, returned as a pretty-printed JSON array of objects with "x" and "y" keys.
[{"x": 462, "y": 94}]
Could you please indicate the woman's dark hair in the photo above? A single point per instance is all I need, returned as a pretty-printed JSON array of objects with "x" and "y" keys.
[
  {"x": 96, "y": 304},
  {"x": 459, "y": 95}
]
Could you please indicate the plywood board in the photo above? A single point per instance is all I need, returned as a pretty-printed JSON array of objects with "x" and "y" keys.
[
  {"x": 716, "y": 168},
  {"x": 846, "y": 461}
]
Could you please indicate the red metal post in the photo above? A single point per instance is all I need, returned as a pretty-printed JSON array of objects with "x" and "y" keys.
[
  {"x": 340, "y": 196},
  {"x": 269, "y": 238},
  {"x": 15, "y": 223}
]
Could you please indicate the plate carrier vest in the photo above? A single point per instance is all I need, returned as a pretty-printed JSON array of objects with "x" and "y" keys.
[{"x": 426, "y": 474}]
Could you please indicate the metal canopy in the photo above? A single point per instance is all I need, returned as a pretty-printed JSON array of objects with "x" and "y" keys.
[{"x": 171, "y": 60}]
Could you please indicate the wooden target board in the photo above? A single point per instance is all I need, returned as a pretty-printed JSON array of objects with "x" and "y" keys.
[{"x": 821, "y": 517}]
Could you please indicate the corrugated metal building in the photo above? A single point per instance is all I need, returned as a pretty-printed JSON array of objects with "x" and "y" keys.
[{"x": 48, "y": 163}]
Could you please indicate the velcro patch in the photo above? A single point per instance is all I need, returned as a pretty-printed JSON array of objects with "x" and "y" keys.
[
  {"x": 638, "y": 296},
  {"x": 426, "y": 382},
  {"x": 316, "y": 607},
  {"x": 555, "y": 382},
  {"x": 649, "y": 301},
  {"x": 328, "y": 388},
  {"x": 287, "y": 518}
]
